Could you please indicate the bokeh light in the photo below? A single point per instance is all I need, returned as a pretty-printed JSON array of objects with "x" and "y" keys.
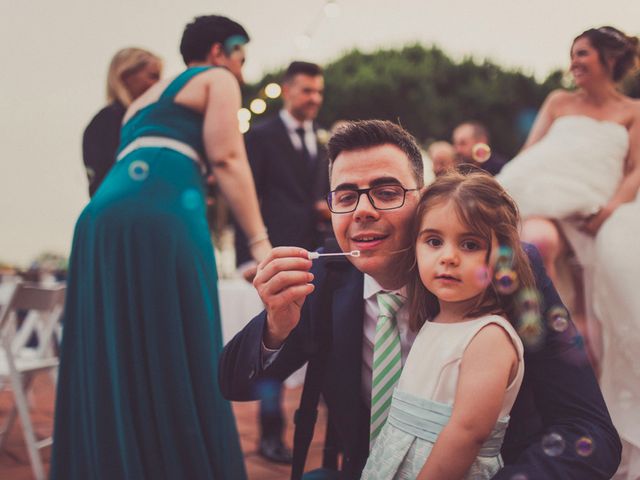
[
  {"x": 272, "y": 90},
  {"x": 258, "y": 106},
  {"x": 244, "y": 115},
  {"x": 244, "y": 126}
]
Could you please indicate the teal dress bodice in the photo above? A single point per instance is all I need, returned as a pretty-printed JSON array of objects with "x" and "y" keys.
[{"x": 137, "y": 393}]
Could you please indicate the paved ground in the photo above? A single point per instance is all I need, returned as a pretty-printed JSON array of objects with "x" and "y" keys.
[{"x": 14, "y": 462}]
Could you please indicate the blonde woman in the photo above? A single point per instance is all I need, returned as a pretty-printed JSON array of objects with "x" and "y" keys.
[{"x": 131, "y": 72}]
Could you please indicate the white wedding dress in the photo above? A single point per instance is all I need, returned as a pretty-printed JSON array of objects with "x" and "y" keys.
[{"x": 573, "y": 170}]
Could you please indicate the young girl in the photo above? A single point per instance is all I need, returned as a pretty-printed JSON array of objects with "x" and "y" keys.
[{"x": 451, "y": 407}]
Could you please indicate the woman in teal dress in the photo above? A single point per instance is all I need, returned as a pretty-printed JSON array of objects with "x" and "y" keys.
[{"x": 138, "y": 396}]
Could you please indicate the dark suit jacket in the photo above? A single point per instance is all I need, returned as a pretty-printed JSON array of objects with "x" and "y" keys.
[
  {"x": 100, "y": 143},
  {"x": 559, "y": 392},
  {"x": 287, "y": 188}
]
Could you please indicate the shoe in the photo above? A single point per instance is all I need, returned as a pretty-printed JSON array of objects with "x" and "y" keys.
[{"x": 274, "y": 450}]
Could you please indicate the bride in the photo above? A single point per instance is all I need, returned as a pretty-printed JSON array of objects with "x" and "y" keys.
[{"x": 575, "y": 183}]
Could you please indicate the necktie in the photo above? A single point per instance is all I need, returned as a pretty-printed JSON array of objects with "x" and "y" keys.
[
  {"x": 305, "y": 152},
  {"x": 387, "y": 361}
]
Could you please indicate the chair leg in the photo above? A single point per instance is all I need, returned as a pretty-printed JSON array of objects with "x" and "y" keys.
[
  {"x": 27, "y": 427},
  {"x": 7, "y": 425}
]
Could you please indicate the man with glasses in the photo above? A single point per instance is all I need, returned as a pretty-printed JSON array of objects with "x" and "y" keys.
[{"x": 328, "y": 315}]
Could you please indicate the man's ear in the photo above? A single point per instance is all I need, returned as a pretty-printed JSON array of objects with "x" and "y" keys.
[{"x": 215, "y": 53}]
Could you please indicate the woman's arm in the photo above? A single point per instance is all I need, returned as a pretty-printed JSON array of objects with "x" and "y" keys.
[
  {"x": 628, "y": 188},
  {"x": 225, "y": 149},
  {"x": 484, "y": 377},
  {"x": 545, "y": 117}
]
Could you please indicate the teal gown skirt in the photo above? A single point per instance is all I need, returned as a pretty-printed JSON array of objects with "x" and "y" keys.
[{"x": 138, "y": 395}]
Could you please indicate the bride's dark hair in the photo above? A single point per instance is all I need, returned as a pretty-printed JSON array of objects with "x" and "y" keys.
[{"x": 612, "y": 44}]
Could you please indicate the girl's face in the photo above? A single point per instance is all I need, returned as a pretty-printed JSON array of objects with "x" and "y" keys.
[
  {"x": 586, "y": 65},
  {"x": 452, "y": 260}
]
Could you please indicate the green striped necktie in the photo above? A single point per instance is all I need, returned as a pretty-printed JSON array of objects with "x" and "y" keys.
[{"x": 387, "y": 360}]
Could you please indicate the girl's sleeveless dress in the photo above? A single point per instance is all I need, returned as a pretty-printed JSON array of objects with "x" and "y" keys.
[
  {"x": 138, "y": 394},
  {"x": 423, "y": 402}
]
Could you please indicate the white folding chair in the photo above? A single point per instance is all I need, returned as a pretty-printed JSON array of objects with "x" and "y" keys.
[{"x": 27, "y": 348}]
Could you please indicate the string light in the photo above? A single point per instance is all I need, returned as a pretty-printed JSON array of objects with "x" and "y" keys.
[
  {"x": 272, "y": 90},
  {"x": 244, "y": 126},
  {"x": 258, "y": 106},
  {"x": 244, "y": 115}
]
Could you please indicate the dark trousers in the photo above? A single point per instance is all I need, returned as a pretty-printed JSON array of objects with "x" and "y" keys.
[{"x": 271, "y": 416}]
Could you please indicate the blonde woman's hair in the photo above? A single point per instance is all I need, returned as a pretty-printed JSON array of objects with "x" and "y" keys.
[{"x": 126, "y": 62}]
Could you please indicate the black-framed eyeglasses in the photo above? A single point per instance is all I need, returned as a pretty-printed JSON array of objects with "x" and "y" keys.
[{"x": 382, "y": 197}]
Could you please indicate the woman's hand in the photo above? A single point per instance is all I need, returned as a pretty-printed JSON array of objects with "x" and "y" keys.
[{"x": 592, "y": 223}]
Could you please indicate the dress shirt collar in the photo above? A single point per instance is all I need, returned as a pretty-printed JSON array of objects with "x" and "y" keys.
[
  {"x": 371, "y": 287},
  {"x": 292, "y": 124}
]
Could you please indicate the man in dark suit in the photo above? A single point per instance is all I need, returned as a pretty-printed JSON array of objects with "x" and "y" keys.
[
  {"x": 474, "y": 135},
  {"x": 290, "y": 171},
  {"x": 324, "y": 314}
]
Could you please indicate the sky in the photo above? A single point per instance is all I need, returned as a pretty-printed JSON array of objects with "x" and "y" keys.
[{"x": 55, "y": 53}]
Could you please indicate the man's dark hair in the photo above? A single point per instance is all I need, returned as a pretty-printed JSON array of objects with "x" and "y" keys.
[
  {"x": 479, "y": 129},
  {"x": 205, "y": 31},
  {"x": 304, "y": 68},
  {"x": 372, "y": 133}
]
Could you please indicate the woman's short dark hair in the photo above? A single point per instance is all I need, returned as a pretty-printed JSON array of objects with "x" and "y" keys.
[
  {"x": 612, "y": 44},
  {"x": 205, "y": 31},
  {"x": 372, "y": 133}
]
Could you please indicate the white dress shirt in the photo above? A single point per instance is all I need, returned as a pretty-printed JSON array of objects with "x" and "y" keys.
[
  {"x": 371, "y": 311},
  {"x": 309, "y": 134}
]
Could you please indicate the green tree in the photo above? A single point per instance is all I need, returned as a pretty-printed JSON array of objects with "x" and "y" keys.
[{"x": 429, "y": 94}]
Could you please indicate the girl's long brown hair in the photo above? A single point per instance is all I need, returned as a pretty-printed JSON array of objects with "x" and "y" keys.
[{"x": 485, "y": 208}]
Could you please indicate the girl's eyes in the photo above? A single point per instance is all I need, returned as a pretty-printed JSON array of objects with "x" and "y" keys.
[
  {"x": 433, "y": 242},
  {"x": 470, "y": 245}
]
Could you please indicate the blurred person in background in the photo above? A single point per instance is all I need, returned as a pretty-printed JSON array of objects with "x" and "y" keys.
[
  {"x": 443, "y": 157},
  {"x": 473, "y": 145},
  {"x": 131, "y": 72},
  {"x": 576, "y": 182},
  {"x": 290, "y": 170}
]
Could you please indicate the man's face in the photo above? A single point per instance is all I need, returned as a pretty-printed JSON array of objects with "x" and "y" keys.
[
  {"x": 382, "y": 236},
  {"x": 463, "y": 142},
  {"x": 303, "y": 96}
]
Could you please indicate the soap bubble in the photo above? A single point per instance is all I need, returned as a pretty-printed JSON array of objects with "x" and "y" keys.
[
  {"x": 584, "y": 446},
  {"x": 553, "y": 444},
  {"x": 506, "y": 281},
  {"x": 481, "y": 152},
  {"x": 191, "y": 199},
  {"x": 139, "y": 170},
  {"x": 558, "y": 319}
]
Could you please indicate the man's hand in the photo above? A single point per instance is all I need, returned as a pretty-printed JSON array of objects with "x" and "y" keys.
[{"x": 283, "y": 282}]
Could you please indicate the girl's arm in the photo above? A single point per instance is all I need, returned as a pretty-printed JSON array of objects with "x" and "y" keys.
[
  {"x": 628, "y": 188},
  {"x": 545, "y": 117},
  {"x": 225, "y": 149},
  {"x": 485, "y": 373}
]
